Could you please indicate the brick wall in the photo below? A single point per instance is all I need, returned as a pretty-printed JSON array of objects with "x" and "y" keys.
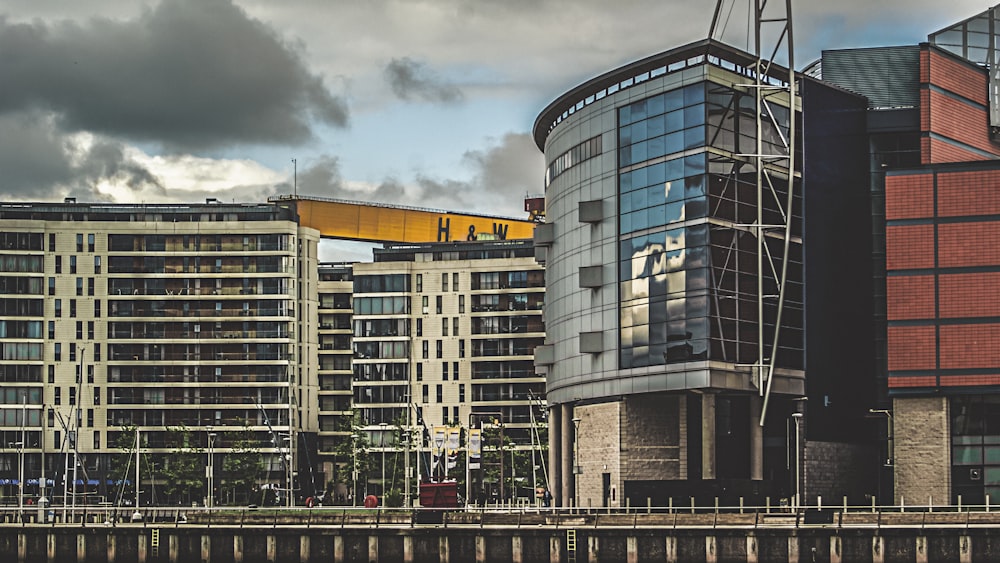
[
  {"x": 909, "y": 196},
  {"x": 910, "y": 297},
  {"x": 922, "y": 450},
  {"x": 599, "y": 445},
  {"x": 909, "y": 247},
  {"x": 833, "y": 468}
]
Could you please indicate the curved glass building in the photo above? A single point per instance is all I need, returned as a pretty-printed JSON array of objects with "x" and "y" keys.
[{"x": 654, "y": 326}]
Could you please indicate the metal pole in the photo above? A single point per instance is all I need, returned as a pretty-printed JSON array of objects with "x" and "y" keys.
[
  {"x": 797, "y": 417},
  {"x": 20, "y": 477},
  {"x": 576, "y": 462},
  {"x": 210, "y": 500},
  {"x": 354, "y": 469}
]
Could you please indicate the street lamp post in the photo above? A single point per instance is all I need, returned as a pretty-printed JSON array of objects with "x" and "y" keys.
[
  {"x": 577, "y": 470},
  {"x": 210, "y": 500},
  {"x": 382, "y": 427},
  {"x": 797, "y": 419}
]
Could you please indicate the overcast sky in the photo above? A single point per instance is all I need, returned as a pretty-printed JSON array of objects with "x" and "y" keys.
[{"x": 425, "y": 103}]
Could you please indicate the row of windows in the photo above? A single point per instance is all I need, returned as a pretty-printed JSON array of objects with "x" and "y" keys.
[
  {"x": 21, "y": 286},
  {"x": 22, "y": 307},
  {"x": 579, "y": 153},
  {"x": 21, "y": 350},
  {"x": 198, "y": 264},
  {"x": 381, "y": 305},
  {"x": 382, "y": 284},
  {"x": 20, "y": 241},
  {"x": 198, "y": 243},
  {"x": 58, "y": 263},
  {"x": 22, "y": 263}
]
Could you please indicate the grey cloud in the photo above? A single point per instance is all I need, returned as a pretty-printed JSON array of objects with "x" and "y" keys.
[
  {"x": 323, "y": 179},
  {"x": 186, "y": 73},
  {"x": 411, "y": 80},
  {"x": 41, "y": 163}
]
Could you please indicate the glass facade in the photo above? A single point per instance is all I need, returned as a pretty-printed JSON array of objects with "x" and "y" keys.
[
  {"x": 975, "y": 448},
  {"x": 687, "y": 255}
]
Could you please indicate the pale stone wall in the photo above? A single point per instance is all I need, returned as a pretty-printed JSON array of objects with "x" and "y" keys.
[
  {"x": 922, "y": 450},
  {"x": 599, "y": 450}
]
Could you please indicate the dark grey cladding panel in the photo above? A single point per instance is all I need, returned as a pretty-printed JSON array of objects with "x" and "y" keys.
[{"x": 888, "y": 76}]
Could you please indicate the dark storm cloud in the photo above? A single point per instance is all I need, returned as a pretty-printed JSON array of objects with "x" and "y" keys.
[
  {"x": 410, "y": 80},
  {"x": 187, "y": 73},
  {"x": 41, "y": 163}
]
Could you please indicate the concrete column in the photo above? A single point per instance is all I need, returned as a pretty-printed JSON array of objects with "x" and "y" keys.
[
  {"x": 81, "y": 548},
  {"x": 237, "y": 548},
  {"x": 555, "y": 455},
  {"x": 22, "y": 548},
  {"x": 878, "y": 550},
  {"x": 568, "y": 488},
  {"x": 708, "y": 436},
  {"x": 836, "y": 549},
  {"x": 756, "y": 440},
  {"x": 271, "y": 553},
  {"x": 338, "y": 549},
  {"x": 112, "y": 548},
  {"x": 480, "y": 549},
  {"x": 711, "y": 550},
  {"x": 752, "y": 556},
  {"x": 173, "y": 547},
  {"x": 965, "y": 549},
  {"x": 407, "y": 549},
  {"x": 516, "y": 549},
  {"x": 921, "y": 549},
  {"x": 593, "y": 548},
  {"x": 443, "y": 555},
  {"x": 373, "y": 548},
  {"x": 304, "y": 547},
  {"x": 632, "y": 549},
  {"x": 670, "y": 549},
  {"x": 50, "y": 547},
  {"x": 555, "y": 550},
  {"x": 206, "y": 548},
  {"x": 793, "y": 549},
  {"x": 143, "y": 549}
]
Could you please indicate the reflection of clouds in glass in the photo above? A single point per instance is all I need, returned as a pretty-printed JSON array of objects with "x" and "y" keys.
[{"x": 666, "y": 190}]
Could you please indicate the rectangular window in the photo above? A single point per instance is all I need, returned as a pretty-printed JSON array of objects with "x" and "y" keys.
[
  {"x": 454, "y": 324},
  {"x": 58, "y": 307},
  {"x": 439, "y": 393},
  {"x": 461, "y": 392},
  {"x": 444, "y": 282},
  {"x": 97, "y": 439},
  {"x": 57, "y": 399},
  {"x": 454, "y": 413},
  {"x": 438, "y": 299},
  {"x": 444, "y": 326},
  {"x": 97, "y": 308},
  {"x": 58, "y": 264},
  {"x": 52, "y": 373},
  {"x": 72, "y": 395},
  {"x": 52, "y": 330},
  {"x": 79, "y": 286},
  {"x": 454, "y": 371},
  {"x": 72, "y": 352},
  {"x": 420, "y": 283},
  {"x": 72, "y": 264},
  {"x": 72, "y": 308},
  {"x": 90, "y": 417},
  {"x": 79, "y": 242},
  {"x": 90, "y": 286},
  {"x": 90, "y": 242},
  {"x": 425, "y": 347},
  {"x": 420, "y": 372},
  {"x": 52, "y": 418},
  {"x": 420, "y": 327},
  {"x": 57, "y": 438},
  {"x": 438, "y": 349},
  {"x": 424, "y": 393},
  {"x": 454, "y": 281},
  {"x": 444, "y": 371},
  {"x": 97, "y": 396},
  {"x": 52, "y": 286},
  {"x": 97, "y": 351},
  {"x": 444, "y": 415},
  {"x": 52, "y": 242},
  {"x": 461, "y": 303},
  {"x": 79, "y": 330},
  {"x": 423, "y": 303},
  {"x": 90, "y": 374},
  {"x": 90, "y": 330},
  {"x": 461, "y": 348},
  {"x": 57, "y": 351}
]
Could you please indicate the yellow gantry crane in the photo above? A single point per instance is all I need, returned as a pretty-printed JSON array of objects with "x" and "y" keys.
[{"x": 379, "y": 222}]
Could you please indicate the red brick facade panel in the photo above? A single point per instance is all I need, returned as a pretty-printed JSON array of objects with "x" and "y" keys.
[
  {"x": 910, "y": 297},
  {"x": 937, "y": 151},
  {"x": 925, "y": 66},
  {"x": 909, "y": 196},
  {"x": 909, "y": 247},
  {"x": 968, "y": 193},
  {"x": 925, "y": 110},
  {"x": 960, "y": 121},
  {"x": 967, "y": 244},
  {"x": 913, "y": 381},
  {"x": 962, "y": 78},
  {"x": 970, "y": 346},
  {"x": 911, "y": 348},
  {"x": 969, "y": 380},
  {"x": 969, "y": 295}
]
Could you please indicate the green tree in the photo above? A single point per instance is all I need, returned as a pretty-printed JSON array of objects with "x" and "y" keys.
[
  {"x": 353, "y": 455},
  {"x": 121, "y": 467},
  {"x": 184, "y": 469},
  {"x": 243, "y": 466}
]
